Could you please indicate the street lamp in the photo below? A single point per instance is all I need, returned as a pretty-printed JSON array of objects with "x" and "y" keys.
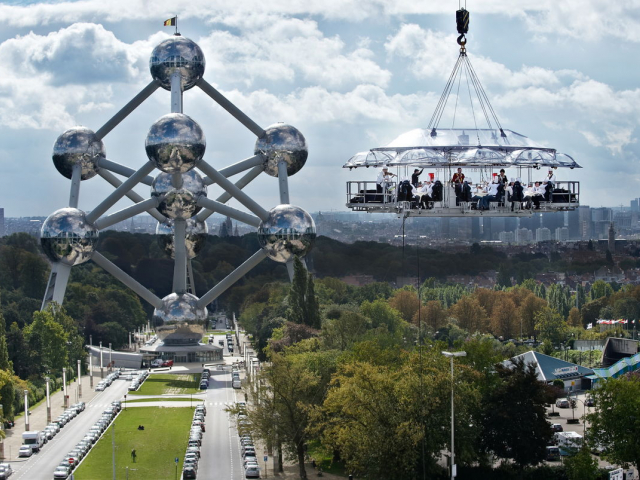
[{"x": 451, "y": 355}]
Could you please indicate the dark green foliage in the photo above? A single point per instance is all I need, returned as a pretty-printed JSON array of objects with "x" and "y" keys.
[{"x": 515, "y": 406}]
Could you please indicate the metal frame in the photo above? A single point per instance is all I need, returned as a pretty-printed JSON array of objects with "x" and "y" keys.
[{"x": 253, "y": 166}]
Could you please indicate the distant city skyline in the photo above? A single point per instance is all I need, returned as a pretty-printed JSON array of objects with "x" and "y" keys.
[{"x": 350, "y": 76}]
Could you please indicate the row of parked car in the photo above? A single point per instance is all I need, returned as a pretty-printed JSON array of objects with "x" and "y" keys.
[
  {"x": 107, "y": 381},
  {"x": 204, "y": 379},
  {"x": 247, "y": 448},
  {"x": 34, "y": 440},
  {"x": 138, "y": 380},
  {"x": 192, "y": 455},
  {"x": 73, "y": 458},
  {"x": 230, "y": 342}
]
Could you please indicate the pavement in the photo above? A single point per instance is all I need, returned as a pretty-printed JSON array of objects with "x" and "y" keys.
[{"x": 38, "y": 416}]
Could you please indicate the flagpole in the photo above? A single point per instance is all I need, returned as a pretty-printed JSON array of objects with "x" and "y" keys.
[{"x": 177, "y": 25}]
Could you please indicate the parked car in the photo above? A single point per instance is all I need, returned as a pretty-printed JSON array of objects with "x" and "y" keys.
[
  {"x": 5, "y": 471},
  {"x": 553, "y": 454},
  {"x": 25, "y": 451},
  {"x": 189, "y": 472},
  {"x": 156, "y": 363},
  {"x": 556, "y": 427},
  {"x": 589, "y": 402},
  {"x": 167, "y": 363},
  {"x": 562, "y": 403},
  {"x": 61, "y": 472}
]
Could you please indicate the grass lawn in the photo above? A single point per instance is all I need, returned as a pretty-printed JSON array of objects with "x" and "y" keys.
[
  {"x": 165, "y": 435},
  {"x": 164, "y": 399},
  {"x": 171, "y": 384}
]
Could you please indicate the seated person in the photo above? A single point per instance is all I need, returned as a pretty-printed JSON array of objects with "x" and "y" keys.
[
  {"x": 493, "y": 195},
  {"x": 478, "y": 193},
  {"x": 534, "y": 195},
  {"x": 424, "y": 194}
]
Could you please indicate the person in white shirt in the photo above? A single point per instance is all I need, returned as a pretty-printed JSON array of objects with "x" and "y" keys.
[
  {"x": 384, "y": 180},
  {"x": 534, "y": 195},
  {"x": 491, "y": 196},
  {"x": 425, "y": 189},
  {"x": 551, "y": 177}
]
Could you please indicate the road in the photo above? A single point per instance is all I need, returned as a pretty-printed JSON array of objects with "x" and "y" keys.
[
  {"x": 41, "y": 465},
  {"x": 220, "y": 451}
]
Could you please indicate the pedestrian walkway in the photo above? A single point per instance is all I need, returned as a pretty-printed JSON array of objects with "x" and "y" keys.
[{"x": 38, "y": 416}]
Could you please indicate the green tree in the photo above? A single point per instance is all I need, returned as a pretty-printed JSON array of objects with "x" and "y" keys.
[
  {"x": 599, "y": 289},
  {"x": 550, "y": 326},
  {"x": 288, "y": 392},
  {"x": 517, "y": 404},
  {"x": 381, "y": 313},
  {"x": 582, "y": 466},
  {"x": 504, "y": 276},
  {"x": 47, "y": 343},
  {"x": 303, "y": 305},
  {"x": 615, "y": 423}
]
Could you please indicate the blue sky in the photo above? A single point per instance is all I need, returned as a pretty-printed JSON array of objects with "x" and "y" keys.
[{"x": 349, "y": 74}]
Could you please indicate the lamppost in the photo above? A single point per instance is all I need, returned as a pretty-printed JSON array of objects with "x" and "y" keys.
[
  {"x": 101, "y": 364},
  {"x": 47, "y": 380},
  {"x": 451, "y": 355},
  {"x": 26, "y": 410},
  {"x": 79, "y": 381},
  {"x": 64, "y": 386},
  {"x": 110, "y": 362},
  {"x": 90, "y": 368}
]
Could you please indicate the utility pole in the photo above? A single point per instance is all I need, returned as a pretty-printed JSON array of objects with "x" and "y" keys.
[
  {"x": 64, "y": 387},
  {"x": 113, "y": 449},
  {"x": 47, "y": 380},
  {"x": 79, "y": 380}
]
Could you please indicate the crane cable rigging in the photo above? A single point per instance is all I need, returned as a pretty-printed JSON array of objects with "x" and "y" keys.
[{"x": 463, "y": 64}]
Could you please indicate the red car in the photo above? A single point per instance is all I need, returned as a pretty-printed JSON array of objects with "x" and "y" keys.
[{"x": 167, "y": 363}]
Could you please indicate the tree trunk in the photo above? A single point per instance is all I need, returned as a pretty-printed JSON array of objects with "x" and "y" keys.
[
  {"x": 280, "y": 467},
  {"x": 303, "y": 471}
]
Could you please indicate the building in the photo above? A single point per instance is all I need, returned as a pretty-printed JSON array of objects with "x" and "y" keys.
[
  {"x": 549, "y": 369},
  {"x": 507, "y": 237},
  {"x": 562, "y": 234},
  {"x": 543, "y": 234},
  {"x": 612, "y": 239},
  {"x": 524, "y": 235}
]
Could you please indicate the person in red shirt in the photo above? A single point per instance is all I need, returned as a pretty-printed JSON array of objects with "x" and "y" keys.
[{"x": 457, "y": 180}]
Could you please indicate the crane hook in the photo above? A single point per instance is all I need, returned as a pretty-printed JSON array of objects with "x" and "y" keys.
[{"x": 462, "y": 40}]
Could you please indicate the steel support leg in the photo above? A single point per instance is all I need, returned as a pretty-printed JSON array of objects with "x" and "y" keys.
[
  {"x": 283, "y": 181},
  {"x": 74, "y": 194},
  {"x": 180, "y": 266},
  {"x": 232, "y": 278},
  {"x": 57, "y": 284},
  {"x": 126, "y": 279}
]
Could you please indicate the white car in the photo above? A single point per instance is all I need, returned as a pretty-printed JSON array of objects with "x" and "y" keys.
[
  {"x": 61, "y": 472},
  {"x": 252, "y": 471},
  {"x": 25, "y": 451}
]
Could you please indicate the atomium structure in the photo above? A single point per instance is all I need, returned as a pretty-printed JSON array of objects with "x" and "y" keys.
[{"x": 179, "y": 197}]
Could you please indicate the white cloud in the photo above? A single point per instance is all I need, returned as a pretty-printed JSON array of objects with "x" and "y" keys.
[{"x": 290, "y": 50}]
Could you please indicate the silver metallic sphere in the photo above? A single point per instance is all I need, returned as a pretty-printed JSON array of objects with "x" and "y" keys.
[
  {"x": 180, "y": 321},
  {"x": 179, "y": 203},
  {"x": 282, "y": 142},
  {"x": 289, "y": 231},
  {"x": 175, "y": 143},
  {"x": 78, "y": 145},
  {"x": 66, "y": 237},
  {"x": 177, "y": 54},
  {"x": 194, "y": 241}
]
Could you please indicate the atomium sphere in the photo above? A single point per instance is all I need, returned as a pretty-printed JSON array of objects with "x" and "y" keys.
[
  {"x": 288, "y": 231},
  {"x": 179, "y": 321},
  {"x": 78, "y": 145},
  {"x": 179, "y": 203},
  {"x": 282, "y": 142},
  {"x": 177, "y": 54},
  {"x": 67, "y": 237},
  {"x": 194, "y": 240},
  {"x": 175, "y": 143}
]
